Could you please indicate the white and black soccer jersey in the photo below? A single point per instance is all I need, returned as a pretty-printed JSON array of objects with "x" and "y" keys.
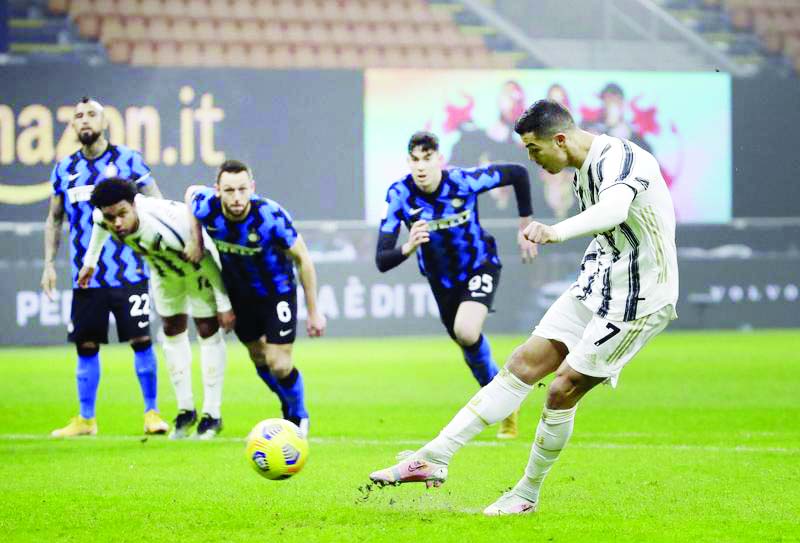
[
  {"x": 162, "y": 234},
  {"x": 632, "y": 270}
]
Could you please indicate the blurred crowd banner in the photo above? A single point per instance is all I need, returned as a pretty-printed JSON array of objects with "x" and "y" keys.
[
  {"x": 298, "y": 130},
  {"x": 684, "y": 119},
  {"x": 327, "y": 144},
  {"x": 729, "y": 279}
]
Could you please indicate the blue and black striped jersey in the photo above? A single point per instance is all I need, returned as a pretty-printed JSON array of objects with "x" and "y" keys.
[
  {"x": 252, "y": 251},
  {"x": 73, "y": 179},
  {"x": 458, "y": 243}
]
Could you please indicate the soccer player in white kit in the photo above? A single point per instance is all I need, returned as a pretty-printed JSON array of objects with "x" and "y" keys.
[
  {"x": 158, "y": 230},
  {"x": 625, "y": 294}
]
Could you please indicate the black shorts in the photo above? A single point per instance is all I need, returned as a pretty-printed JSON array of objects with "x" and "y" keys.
[
  {"x": 480, "y": 286},
  {"x": 91, "y": 306},
  {"x": 274, "y": 317}
]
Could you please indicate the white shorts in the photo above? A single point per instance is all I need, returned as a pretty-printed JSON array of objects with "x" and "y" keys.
[
  {"x": 598, "y": 347},
  {"x": 191, "y": 294}
]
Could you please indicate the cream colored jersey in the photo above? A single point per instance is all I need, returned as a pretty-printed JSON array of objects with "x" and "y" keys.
[
  {"x": 632, "y": 270},
  {"x": 163, "y": 232}
]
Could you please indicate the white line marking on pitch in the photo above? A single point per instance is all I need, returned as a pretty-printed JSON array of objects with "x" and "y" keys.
[{"x": 417, "y": 443}]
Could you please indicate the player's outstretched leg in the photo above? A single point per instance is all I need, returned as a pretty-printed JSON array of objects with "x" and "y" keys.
[
  {"x": 492, "y": 403},
  {"x": 552, "y": 434},
  {"x": 88, "y": 377},
  {"x": 479, "y": 359},
  {"x": 528, "y": 363}
]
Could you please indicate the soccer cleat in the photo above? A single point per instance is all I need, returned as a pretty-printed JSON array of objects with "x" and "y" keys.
[
  {"x": 78, "y": 426},
  {"x": 511, "y": 503},
  {"x": 208, "y": 427},
  {"x": 154, "y": 424},
  {"x": 508, "y": 427},
  {"x": 412, "y": 468},
  {"x": 183, "y": 423}
]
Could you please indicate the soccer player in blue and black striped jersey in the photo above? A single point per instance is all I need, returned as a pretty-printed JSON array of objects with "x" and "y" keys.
[
  {"x": 120, "y": 285},
  {"x": 259, "y": 247},
  {"x": 457, "y": 256}
]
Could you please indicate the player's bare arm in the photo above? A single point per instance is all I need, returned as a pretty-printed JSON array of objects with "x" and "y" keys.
[
  {"x": 418, "y": 235},
  {"x": 52, "y": 240},
  {"x": 316, "y": 322},
  {"x": 194, "y": 246}
]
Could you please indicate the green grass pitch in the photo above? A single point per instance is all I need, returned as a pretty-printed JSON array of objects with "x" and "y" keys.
[{"x": 700, "y": 442}]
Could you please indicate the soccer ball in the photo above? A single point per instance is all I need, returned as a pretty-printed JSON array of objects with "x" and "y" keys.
[{"x": 276, "y": 449}]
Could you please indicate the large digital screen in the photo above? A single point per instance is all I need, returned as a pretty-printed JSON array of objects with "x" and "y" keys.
[{"x": 684, "y": 119}]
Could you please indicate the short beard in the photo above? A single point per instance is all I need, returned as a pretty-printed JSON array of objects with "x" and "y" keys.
[{"x": 89, "y": 138}]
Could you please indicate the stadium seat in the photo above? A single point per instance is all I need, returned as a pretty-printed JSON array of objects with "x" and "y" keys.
[
  {"x": 213, "y": 55},
  {"x": 189, "y": 54},
  {"x": 327, "y": 57},
  {"x": 228, "y": 31},
  {"x": 236, "y": 55},
  {"x": 153, "y": 8},
  {"x": 119, "y": 51},
  {"x": 259, "y": 56},
  {"x": 243, "y": 10},
  {"x": 251, "y": 31},
  {"x": 112, "y": 29},
  {"x": 88, "y": 25},
  {"x": 281, "y": 56},
  {"x": 205, "y": 30},
  {"x": 160, "y": 28},
  {"x": 166, "y": 54},
  {"x": 130, "y": 8},
  {"x": 143, "y": 54},
  {"x": 136, "y": 29},
  {"x": 349, "y": 57},
  {"x": 177, "y": 9},
  {"x": 182, "y": 30},
  {"x": 197, "y": 9}
]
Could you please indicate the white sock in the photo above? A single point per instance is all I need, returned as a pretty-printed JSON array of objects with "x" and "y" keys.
[
  {"x": 178, "y": 354},
  {"x": 494, "y": 402},
  {"x": 552, "y": 435},
  {"x": 212, "y": 360}
]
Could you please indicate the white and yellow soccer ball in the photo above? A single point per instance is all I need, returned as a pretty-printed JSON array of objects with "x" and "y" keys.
[{"x": 276, "y": 449}]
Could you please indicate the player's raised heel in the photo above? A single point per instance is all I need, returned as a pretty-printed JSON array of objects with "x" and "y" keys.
[
  {"x": 208, "y": 427},
  {"x": 411, "y": 469},
  {"x": 154, "y": 424},
  {"x": 78, "y": 426},
  {"x": 511, "y": 503},
  {"x": 508, "y": 427},
  {"x": 183, "y": 423}
]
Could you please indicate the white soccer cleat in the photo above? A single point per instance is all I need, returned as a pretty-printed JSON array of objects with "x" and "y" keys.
[
  {"x": 411, "y": 469},
  {"x": 511, "y": 503}
]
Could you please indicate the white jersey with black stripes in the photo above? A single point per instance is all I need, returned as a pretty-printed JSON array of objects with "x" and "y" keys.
[
  {"x": 632, "y": 270},
  {"x": 160, "y": 237}
]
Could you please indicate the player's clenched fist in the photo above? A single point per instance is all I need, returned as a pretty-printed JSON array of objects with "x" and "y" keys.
[
  {"x": 540, "y": 233},
  {"x": 418, "y": 235}
]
